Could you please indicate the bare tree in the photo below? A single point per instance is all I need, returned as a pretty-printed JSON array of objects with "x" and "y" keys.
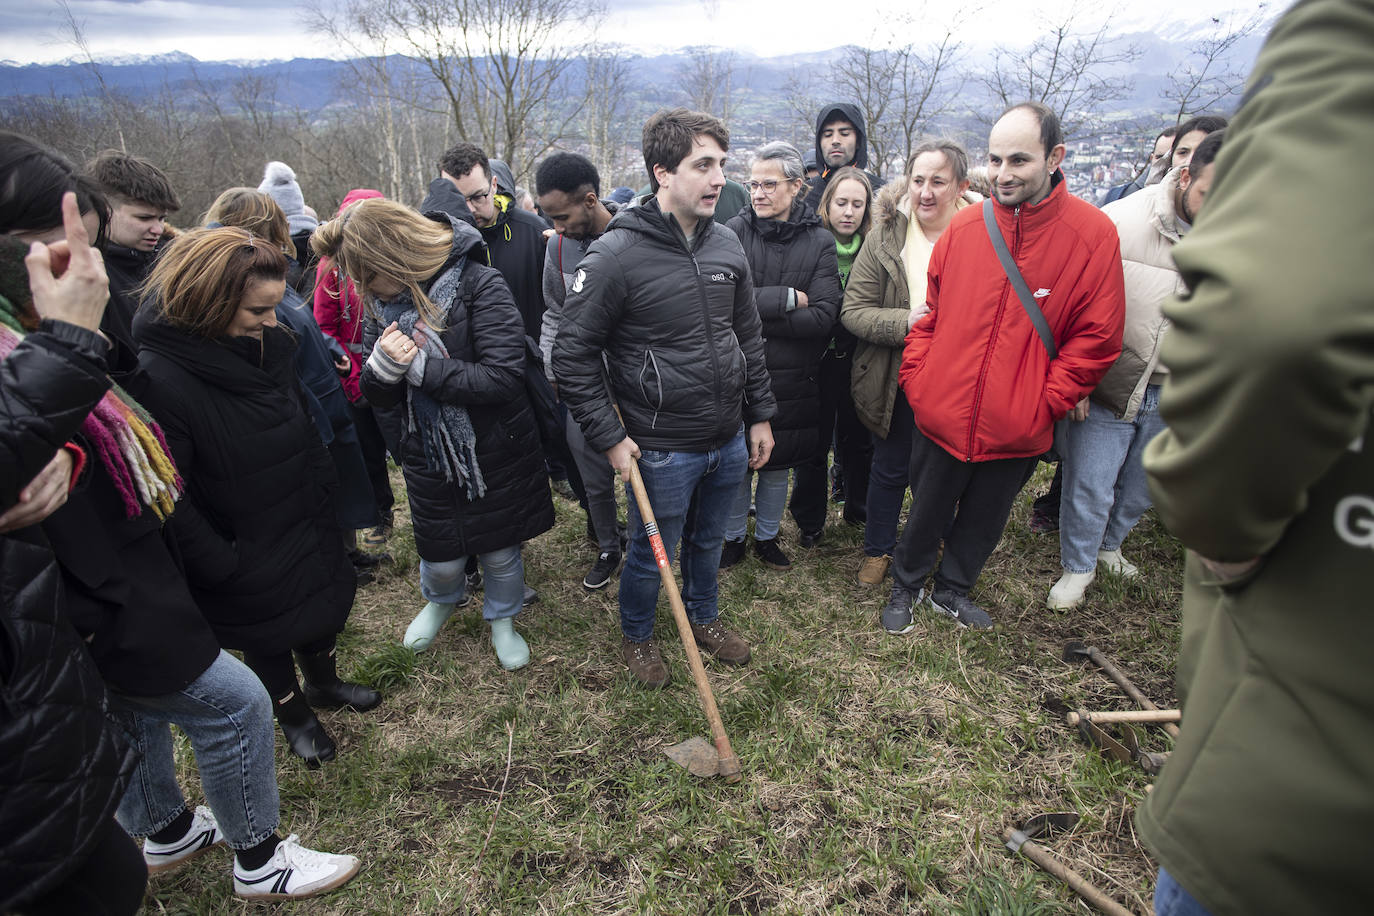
[
  {"x": 77, "y": 33},
  {"x": 707, "y": 80},
  {"x": 605, "y": 113},
  {"x": 1210, "y": 77},
  {"x": 1078, "y": 74}
]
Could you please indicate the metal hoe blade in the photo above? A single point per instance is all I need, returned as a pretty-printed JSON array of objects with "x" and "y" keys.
[{"x": 696, "y": 755}]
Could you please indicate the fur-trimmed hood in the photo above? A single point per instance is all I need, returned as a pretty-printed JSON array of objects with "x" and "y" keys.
[{"x": 887, "y": 202}]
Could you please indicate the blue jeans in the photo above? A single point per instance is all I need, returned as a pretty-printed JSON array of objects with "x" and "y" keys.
[
  {"x": 769, "y": 502},
  {"x": 1172, "y": 900},
  {"x": 503, "y": 572},
  {"x": 888, "y": 481},
  {"x": 228, "y": 717},
  {"x": 1105, "y": 492},
  {"x": 691, "y": 494}
]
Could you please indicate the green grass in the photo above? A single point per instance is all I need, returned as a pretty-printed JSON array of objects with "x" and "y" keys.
[{"x": 880, "y": 772}]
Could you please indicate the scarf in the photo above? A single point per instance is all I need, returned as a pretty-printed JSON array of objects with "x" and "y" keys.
[
  {"x": 845, "y": 254},
  {"x": 125, "y": 438},
  {"x": 445, "y": 430}
]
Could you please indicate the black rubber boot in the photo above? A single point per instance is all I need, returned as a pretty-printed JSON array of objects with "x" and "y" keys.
[
  {"x": 324, "y": 690},
  {"x": 304, "y": 734}
]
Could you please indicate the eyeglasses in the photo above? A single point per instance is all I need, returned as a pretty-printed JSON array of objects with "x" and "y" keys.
[
  {"x": 767, "y": 187},
  {"x": 477, "y": 197}
]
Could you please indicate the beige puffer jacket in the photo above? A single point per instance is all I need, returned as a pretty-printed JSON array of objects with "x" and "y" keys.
[{"x": 1149, "y": 229}]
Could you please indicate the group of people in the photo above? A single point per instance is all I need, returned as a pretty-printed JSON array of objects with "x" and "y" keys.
[{"x": 197, "y": 426}]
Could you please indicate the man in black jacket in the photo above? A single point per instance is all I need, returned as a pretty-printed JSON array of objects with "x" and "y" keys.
[
  {"x": 514, "y": 237},
  {"x": 140, "y": 198},
  {"x": 666, "y": 294},
  {"x": 841, "y": 140}
]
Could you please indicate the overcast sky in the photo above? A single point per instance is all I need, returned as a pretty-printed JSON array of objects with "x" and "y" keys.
[{"x": 36, "y": 31}]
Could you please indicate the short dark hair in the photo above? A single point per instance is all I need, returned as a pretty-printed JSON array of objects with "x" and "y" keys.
[
  {"x": 132, "y": 179},
  {"x": 567, "y": 172},
  {"x": 33, "y": 179},
  {"x": 670, "y": 134},
  {"x": 1051, "y": 134},
  {"x": 459, "y": 160},
  {"x": 1206, "y": 152},
  {"x": 837, "y": 116},
  {"x": 1205, "y": 123}
]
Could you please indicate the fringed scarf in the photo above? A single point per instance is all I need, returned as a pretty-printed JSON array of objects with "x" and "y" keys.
[
  {"x": 445, "y": 430},
  {"x": 126, "y": 439}
]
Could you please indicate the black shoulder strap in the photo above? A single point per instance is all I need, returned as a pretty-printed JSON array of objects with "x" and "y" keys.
[{"x": 1018, "y": 283}]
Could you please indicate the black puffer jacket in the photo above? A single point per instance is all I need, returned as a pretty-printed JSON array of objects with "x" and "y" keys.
[
  {"x": 484, "y": 374},
  {"x": 680, "y": 332},
  {"x": 798, "y": 254},
  {"x": 515, "y": 247},
  {"x": 63, "y": 764},
  {"x": 263, "y": 551},
  {"x": 853, "y": 115}
]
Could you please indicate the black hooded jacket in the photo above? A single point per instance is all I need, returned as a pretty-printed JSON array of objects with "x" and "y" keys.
[
  {"x": 515, "y": 246},
  {"x": 680, "y": 332},
  {"x": 484, "y": 374},
  {"x": 257, "y": 531},
  {"x": 851, "y": 113},
  {"x": 796, "y": 254}
]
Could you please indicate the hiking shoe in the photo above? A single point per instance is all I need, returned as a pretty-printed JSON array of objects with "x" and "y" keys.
[
  {"x": 873, "y": 570},
  {"x": 962, "y": 609},
  {"x": 897, "y": 617},
  {"x": 203, "y": 834},
  {"x": 375, "y": 537},
  {"x": 720, "y": 642},
  {"x": 564, "y": 489},
  {"x": 1068, "y": 592},
  {"x": 1113, "y": 562},
  {"x": 731, "y": 554},
  {"x": 600, "y": 574},
  {"x": 645, "y": 662},
  {"x": 293, "y": 872},
  {"x": 811, "y": 539},
  {"x": 771, "y": 555}
]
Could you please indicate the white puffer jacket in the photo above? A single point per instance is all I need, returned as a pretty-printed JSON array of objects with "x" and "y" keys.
[{"x": 1149, "y": 229}]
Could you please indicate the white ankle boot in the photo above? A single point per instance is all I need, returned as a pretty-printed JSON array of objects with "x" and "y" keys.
[
  {"x": 1113, "y": 562},
  {"x": 422, "y": 630},
  {"x": 511, "y": 650},
  {"x": 1069, "y": 590}
]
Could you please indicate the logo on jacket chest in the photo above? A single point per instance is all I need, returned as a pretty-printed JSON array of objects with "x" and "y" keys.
[
  {"x": 579, "y": 279},
  {"x": 724, "y": 276}
]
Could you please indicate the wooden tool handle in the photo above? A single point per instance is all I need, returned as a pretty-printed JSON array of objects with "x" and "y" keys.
[
  {"x": 1080, "y": 886},
  {"x": 1124, "y": 715},
  {"x": 729, "y": 762},
  {"x": 1125, "y": 684}
]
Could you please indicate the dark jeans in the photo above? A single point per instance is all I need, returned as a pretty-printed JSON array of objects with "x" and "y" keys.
[
  {"x": 889, "y": 480},
  {"x": 109, "y": 883},
  {"x": 977, "y": 496},
  {"x": 853, "y": 451},
  {"x": 374, "y": 446},
  {"x": 1172, "y": 899}
]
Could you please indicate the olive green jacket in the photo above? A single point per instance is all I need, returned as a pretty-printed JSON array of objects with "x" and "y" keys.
[{"x": 1267, "y": 803}]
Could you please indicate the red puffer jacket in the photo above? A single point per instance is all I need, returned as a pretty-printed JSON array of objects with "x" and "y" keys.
[
  {"x": 980, "y": 382},
  {"x": 339, "y": 309}
]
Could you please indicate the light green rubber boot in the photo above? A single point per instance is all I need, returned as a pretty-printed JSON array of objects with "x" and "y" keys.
[
  {"x": 422, "y": 630},
  {"x": 511, "y": 650}
]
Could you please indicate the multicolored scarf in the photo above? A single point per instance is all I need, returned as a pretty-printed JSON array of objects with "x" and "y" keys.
[{"x": 123, "y": 435}]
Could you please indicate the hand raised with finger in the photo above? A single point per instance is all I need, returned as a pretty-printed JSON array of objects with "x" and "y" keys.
[{"x": 68, "y": 278}]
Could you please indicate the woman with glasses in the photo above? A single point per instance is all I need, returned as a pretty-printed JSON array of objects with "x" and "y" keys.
[
  {"x": 446, "y": 357},
  {"x": 262, "y": 547},
  {"x": 797, "y": 292},
  {"x": 885, "y": 295}
]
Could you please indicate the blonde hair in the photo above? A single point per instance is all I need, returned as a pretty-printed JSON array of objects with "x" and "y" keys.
[
  {"x": 848, "y": 173},
  {"x": 200, "y": 279},
  {"x": 376, "y": 237},
  {"x": 256, "y": 211}
]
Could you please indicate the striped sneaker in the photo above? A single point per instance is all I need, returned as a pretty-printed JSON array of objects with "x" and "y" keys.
[
  {"x": 203, "y": 834},
  {"x": 294, "y": 871}
]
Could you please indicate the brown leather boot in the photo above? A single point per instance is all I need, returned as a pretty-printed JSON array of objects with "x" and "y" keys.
[
  {"x": 720, "y": 642},
  {"x": 645, "y": 662}
]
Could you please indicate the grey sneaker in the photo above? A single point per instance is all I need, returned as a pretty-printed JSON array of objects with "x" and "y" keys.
[
  {"x": 897, "y": 617},
  {"x": 961, "y": 608}
]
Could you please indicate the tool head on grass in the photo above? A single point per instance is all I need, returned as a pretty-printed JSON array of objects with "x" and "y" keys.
[{"x": 1042, "y": 825}]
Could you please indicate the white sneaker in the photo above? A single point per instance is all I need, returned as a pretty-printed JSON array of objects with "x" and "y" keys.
[
  {"x": 1069, "y": 590},
  {"x": 203, "y": 834},
  {"x": 294, "y": 871},
  {"x": 1113, "y": 562}
]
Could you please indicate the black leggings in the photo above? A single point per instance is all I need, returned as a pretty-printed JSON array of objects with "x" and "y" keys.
[
  {"x": 277, "y": 671},
  {"x": 109, "y": 883}
]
